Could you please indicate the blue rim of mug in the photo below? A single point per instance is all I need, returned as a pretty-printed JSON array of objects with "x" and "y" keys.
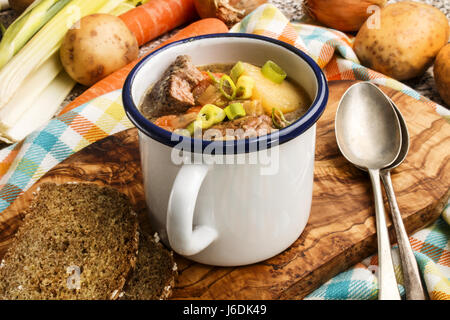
[{"x": 228, "y": 146}]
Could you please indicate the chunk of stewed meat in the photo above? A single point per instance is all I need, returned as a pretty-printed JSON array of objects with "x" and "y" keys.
[
  {"x": 245, "y": 127},
  {"x": 172, "y": 94}
]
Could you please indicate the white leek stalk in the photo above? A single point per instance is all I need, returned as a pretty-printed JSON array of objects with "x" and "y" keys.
[
  {"x": 127, "y": 5},
  {"x": 30, "y": 89},
  {"x": 26, "y": 26},
  {"x": 122, "y": 8},
  {"x": 43, "y": 45},
  {"x": 41, "y": 110},
  {"x": 110, "y": 6},
  {"x": 40, "y": 95}
]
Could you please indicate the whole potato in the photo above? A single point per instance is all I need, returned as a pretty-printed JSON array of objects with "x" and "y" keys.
[
  {"x": 20, "y": 5},
  {"x": 442, "y": 73},
  {"x": 408, "y": 39},
  {"x": 99, "y": 45}
]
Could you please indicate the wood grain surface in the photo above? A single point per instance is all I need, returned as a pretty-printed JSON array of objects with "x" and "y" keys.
[{"x": 340, "y": 231}]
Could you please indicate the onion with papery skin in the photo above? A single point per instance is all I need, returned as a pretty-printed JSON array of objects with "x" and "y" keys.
[
  {"x": 343, "y": 15},
  {"x": 229, "y": 11}
]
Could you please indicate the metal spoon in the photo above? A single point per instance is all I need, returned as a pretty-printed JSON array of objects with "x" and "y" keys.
[
  {"x": 368, "y": 134},
  {"x": 413, "y": 285}
]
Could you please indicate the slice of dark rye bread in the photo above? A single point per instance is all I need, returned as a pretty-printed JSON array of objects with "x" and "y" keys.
[
  {"x": 77, "y": 241},
  {"x": 155, "y": 272}
]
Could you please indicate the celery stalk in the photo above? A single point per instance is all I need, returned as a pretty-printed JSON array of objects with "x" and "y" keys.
[
  {"x": 41, "y": 110},
  {"x": 26, "y": 26},
  {"x": 44, "y": 44}
]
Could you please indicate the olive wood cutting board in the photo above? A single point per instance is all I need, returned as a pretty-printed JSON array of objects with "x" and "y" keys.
[{"x": 340, "y": 231}]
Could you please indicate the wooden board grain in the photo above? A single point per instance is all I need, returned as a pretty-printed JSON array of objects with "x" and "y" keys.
[{"x": 340, "y": 231}]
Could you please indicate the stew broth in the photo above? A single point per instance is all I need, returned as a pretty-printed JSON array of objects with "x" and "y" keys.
[{"x": 189, "y": 99}]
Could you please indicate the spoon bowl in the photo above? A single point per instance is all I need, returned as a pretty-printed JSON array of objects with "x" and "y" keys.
[{"x": 368, "y": 131}]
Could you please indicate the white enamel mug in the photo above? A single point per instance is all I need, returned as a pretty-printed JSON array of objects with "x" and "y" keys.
[{"x": 249, "y": 199}]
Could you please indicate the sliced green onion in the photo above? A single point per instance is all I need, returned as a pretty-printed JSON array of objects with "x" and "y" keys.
[
  {"x": 237, "y": 71},
  {"x": 245, "y": 85},
  {"x": 273, "y": 72},
  {"x": 226, "y": 79},
  {"x": 184, "y": 132},
  {"x": 44, "y": 43},
  {"x": 212, "y": 77},
  {"x": 192, "y": 127},
  {"x": 278, "y": 119},
  {"x": 210, "y": 115},
  {"x": 235, "y": 110},
  {"x": 33, "y": 19}
]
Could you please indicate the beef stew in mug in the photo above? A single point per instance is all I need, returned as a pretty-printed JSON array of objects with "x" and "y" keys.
[{"x": 232, "y": 101}]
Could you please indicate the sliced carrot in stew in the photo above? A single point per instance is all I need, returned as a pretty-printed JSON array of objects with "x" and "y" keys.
[
  {"x": 173, "y": 122},
  {"x": 217, "y": 75},
  {"x": 195, "y": 109},
  {"x": 166, "y": 121}
]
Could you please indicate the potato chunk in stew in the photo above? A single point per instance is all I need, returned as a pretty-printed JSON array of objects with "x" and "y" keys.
[{"x": 285, "y": 96}]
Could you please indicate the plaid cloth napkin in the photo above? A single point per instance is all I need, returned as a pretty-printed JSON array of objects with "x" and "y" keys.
[{"x": 22, "y": 164}]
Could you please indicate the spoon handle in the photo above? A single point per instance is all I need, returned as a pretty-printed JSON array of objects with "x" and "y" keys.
[
  {"x": 387, "y": 283},
  {"x": 413, "y": 285}
]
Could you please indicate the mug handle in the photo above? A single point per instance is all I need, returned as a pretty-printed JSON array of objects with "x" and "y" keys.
[{"x": 185, "y": 238}]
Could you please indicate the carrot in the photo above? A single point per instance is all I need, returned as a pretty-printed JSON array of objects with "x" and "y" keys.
[
  {"x": 195, "y": 109},
  {"x": 207, "y": 76},
  {"x": 156, "y": 17},
  {"x": 116, "y": 79},
  {"x": 173, "y": 122},
  {"x": 168, "y": 123}
]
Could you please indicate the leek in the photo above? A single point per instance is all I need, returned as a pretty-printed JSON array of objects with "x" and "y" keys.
[
  {"x": 128, "y": 5},
  {"x": 40, "y": 95},
  {"x": 210, "y": 115},
  {"x": 26, "y": 26},
  {"x": 278, "y": 119},
  {"x": 41, "y": 110},
  {"x": 273, "y": 72},
  {"x": 122, "y": 8},
  {"x": 28, "y": 92},
  {"x": 222, "y": 87},
  {"x": 235, "y": 110},
  {"x": 237, "y": 71},
  {"x": 110, "y": 6},
  {"x": 43, "y": 45}
]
